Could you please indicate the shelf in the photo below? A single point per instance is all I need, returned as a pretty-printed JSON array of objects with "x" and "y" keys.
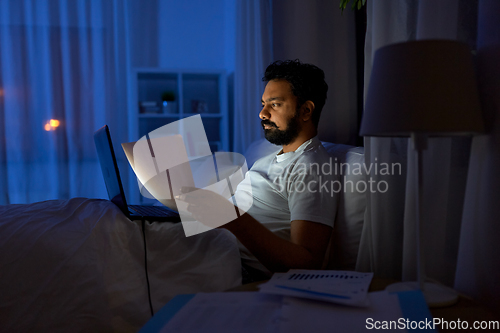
[
  {"x": 204, "y": 115},
  {"x": 202, "y": 93},
  {"x": 177, "y": 115},
  {"x": 159, "y": 115}
]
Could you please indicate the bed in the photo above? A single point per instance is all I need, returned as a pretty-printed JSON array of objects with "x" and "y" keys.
[{"x": 78, "y": 266}]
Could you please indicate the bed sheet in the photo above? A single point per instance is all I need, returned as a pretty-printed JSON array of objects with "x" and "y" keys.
[{"x": 78, "y": 266}]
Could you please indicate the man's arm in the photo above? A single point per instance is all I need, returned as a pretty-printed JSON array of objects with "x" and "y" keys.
[{"x": 305, "y": 250}]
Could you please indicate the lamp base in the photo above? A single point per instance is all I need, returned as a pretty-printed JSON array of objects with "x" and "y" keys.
[{"x": 436, "y": 296}]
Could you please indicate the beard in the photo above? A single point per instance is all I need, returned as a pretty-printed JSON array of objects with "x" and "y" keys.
[{"x": 282, "y": 137}]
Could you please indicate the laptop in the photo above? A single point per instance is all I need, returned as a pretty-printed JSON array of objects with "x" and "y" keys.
[{"x": 109, "y": 167}]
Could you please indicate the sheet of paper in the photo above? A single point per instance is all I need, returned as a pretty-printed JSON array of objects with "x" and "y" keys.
[
  {"x": 342, "y": 287},
  {"x": 303, "y": 315},
  {"x": 228, "y": 312}
]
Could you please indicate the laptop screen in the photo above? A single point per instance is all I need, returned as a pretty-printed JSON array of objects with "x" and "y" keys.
[{"x": 109, "y": 167}]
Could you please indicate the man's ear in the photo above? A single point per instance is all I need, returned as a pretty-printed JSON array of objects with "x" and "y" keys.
[{"x": 307, "y": 110}]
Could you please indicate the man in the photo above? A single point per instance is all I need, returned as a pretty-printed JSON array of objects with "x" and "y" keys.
[{"x": 290, "y": 222}]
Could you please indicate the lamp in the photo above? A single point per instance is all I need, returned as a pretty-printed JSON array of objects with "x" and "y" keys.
[{"x": 419, "y": 89}]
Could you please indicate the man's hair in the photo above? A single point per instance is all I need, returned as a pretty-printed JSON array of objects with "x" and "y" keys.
[{"x": 307, "y": 82}]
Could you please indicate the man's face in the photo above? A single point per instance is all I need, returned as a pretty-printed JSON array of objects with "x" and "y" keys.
[{"x": 280, "y": 113}]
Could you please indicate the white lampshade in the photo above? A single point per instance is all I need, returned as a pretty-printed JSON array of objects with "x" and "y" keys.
[{"x": 426, "y": 87}]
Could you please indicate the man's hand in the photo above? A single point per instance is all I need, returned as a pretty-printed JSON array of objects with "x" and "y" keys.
[{"x": 207, "y": 207}]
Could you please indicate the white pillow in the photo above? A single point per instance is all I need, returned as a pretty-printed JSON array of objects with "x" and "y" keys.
[{"x": 344, "y": 244}]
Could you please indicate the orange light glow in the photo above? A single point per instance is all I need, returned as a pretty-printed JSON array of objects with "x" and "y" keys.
[
  {"x": 51, "y": 125},
  {"x": 54, "y": 122}
]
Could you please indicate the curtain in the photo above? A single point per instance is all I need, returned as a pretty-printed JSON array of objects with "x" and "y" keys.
[
  {"x": 455, "y": 194},
  {"x": 67, "y": 61},
  {"x": 381, "y": 246},
  {"x": 478, "y": 271},
  {"x": 253, "y": 55}
]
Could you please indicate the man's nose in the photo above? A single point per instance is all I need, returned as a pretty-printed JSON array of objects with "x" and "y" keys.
[{"x": 264, "y": 113}]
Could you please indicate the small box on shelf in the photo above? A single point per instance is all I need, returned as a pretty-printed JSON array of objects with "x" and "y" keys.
[
  {"x": 199, "y": 106},
  {"x": 149, "y": 107}
]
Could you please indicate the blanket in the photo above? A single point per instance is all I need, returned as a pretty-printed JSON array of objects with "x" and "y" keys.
[{"x": 78, "y": 266}]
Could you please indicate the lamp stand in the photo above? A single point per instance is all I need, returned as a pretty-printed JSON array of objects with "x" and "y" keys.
[{"x": 436, "y": 295}]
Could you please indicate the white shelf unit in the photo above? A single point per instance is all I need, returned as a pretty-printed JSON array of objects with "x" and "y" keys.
[{"x": 196, "y": 92}]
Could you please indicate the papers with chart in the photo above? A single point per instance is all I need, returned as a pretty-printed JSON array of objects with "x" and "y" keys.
[{"x": 342, "y": 287}]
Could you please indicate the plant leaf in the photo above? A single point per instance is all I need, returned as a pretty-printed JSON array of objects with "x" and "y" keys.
[
  {"x": 343, "y": 4},
  {"x": 355, "y": 4}
]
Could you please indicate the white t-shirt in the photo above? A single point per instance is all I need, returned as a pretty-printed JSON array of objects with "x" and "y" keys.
[{"x": 290, "y": 186}]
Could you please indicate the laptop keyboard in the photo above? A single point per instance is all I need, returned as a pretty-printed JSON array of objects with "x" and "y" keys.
[{"x": 151, "y": 210}]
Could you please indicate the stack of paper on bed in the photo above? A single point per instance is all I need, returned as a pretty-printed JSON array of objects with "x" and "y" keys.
[{"x": 341, "y": 287}]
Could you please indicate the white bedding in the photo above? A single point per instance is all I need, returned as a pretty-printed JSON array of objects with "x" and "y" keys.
[{"x": 78, "y": 266}]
